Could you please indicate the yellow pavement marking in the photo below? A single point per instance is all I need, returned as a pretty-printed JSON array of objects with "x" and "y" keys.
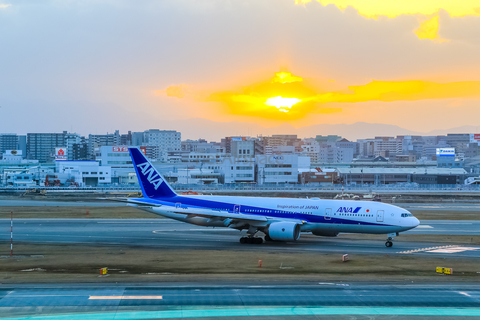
[{"x": 125, "y": 297}]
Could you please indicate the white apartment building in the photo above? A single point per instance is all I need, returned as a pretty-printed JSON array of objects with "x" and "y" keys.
[
  {"x": 242, "y": 147},
  {"x": 280, "y": 169},
  {"x": 198, "y": 176},
  {"x": 242, "y": 171},
  {"x": 312, "y": 151},
  {"x": 335, "y": 155},
  {"x": 164, "y": 140},
  {"x": 203, "y": 157},
  {"x": 99, "y": 140},
  {"x": 70, "y": 140},
  {"x": 386, "y": 146}
]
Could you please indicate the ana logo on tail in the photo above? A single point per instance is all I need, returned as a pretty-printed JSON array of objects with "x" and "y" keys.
[{"x": 152, "y": 176}]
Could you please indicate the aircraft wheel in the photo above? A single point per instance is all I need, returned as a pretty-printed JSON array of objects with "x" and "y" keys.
[
  {"x": 388, "y": 244},
  {"x": 267, "y": 238},
  {"x": 242, "y": 240},
  {"x": 258, "y": 240}
]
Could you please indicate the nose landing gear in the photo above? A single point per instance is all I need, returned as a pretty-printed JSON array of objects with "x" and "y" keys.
[{"x": 389, "y": 242}]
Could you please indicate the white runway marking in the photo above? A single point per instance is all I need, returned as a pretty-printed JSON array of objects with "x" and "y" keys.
[
  {"x": 125, "y": 297},
  {"x": 464, "y": 293},
  {"x": 453, "y": 249},
  {"x": 442, "y": 249},
  {"x": 425, "y": 249},
  {"x": 139, "y": 222},
  {"x": 424, "y": 226},
  {"x": 183, "y": 230},
  {"x": 452, "y": 222}
]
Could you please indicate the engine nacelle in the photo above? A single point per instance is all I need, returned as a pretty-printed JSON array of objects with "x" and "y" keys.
[
  {"x": 324, "y": 233},
  {"x": 284, "y": 231}
]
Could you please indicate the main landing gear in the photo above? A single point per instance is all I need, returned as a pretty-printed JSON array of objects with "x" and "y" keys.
[
  {"x": 389, "y": 242},
  {"x": 251, "y": 240}
]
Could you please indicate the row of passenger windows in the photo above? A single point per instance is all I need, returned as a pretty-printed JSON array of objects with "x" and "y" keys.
[
  {"x": 340, "y": 214},
  {"x": 355, "y": 215},
  {"x": 276, "y": 211}
]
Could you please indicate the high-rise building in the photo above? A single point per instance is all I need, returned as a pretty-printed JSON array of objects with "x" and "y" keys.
[
  {"x": 100, "y": 140},
  {"x": 459, "y": 141},
  {"x": 41, "y": 146},
  {"x": 281, "y": 140},
  {"x": 8, "y": 141},
  {"x": 126, "y": 139},
  {"x": 164, "y": 140},
  {"x": 333, "y": 154},
  {"x": 345, "y": 144},
  {"x": 328, "y": 140},
  {"x": 137, "y": 139},
  {"x": 387, "y": 146},
  {"x": 80, "y": 151},
  {"x": 71, "y": 139}
]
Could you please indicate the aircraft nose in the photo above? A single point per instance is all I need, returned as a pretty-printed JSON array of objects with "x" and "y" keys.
[{"x": 416, "y": 222}]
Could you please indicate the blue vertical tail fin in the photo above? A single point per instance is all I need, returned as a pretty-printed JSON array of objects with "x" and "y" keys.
[{"x": 151, "y": 181}]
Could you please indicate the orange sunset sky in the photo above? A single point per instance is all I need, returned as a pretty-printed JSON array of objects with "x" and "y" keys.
[{"x": 138, "y": 65}]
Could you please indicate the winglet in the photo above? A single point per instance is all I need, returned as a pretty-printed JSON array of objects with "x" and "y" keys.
[{"x": 151, "y": 181}]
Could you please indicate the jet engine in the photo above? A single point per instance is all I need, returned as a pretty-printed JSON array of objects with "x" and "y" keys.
[
  {"x": 284, "y": 231},
  {"x": 325, "y": 233}
]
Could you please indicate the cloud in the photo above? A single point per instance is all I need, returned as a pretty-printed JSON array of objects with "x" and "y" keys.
[
  {"x": 177, "y": 91},
  {"x": 424, "y": 9},
  {"x": 4, "y": 6},
  {"x": 285, "y": 77},
  {"x": 429, "y": 30},
  {"x": 389, "y": 91},
  {"x": 295, "y": 100}
]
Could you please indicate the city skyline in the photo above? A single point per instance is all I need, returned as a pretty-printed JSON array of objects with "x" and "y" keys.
[{"x": 93, "y": 67}]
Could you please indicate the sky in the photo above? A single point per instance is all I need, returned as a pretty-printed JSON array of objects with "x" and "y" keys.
[{"x": 91, "y": 66}]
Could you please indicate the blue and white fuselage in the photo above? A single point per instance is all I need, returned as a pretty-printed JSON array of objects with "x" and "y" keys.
[{"x": 281, "y": 219}]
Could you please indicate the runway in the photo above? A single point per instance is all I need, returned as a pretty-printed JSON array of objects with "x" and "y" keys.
[
  {"x": 231, "y": 301},
  {"x": 166, "y": 233},
  {"x": 45, "y": 203},
  {"x": 442, "y": 206}
]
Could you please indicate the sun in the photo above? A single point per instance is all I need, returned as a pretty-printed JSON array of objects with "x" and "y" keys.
[{"x": 281, "y": 103}]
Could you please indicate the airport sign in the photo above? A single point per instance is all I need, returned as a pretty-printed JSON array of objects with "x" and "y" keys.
[
  {"x": 60, "y": 154},
  {"x": 120, "y": 149},
  {"x": 14, "y": 152},
  {"x": 445, "y": 152}
]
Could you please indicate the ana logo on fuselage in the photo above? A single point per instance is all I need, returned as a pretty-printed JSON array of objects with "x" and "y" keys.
[
  {"x": 152, "y": 176},
  {"x": 348, "y": 209}
]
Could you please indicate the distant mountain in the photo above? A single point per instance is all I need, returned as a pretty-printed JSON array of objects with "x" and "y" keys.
[
  {"x": 210, "y": 130},
  {"x": 213, "y": 131},
  {"x": 462, "y": 129},
  {"x": 358, "y": 130}
]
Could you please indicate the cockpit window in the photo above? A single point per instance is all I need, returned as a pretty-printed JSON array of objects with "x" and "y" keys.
[{"x": 404, "y": 215}]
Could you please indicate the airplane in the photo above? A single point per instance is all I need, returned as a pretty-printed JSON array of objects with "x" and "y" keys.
[{"x": 280, "y": 219}]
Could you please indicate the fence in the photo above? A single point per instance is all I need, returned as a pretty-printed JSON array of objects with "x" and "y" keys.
[{"x": 233, "y": 188}]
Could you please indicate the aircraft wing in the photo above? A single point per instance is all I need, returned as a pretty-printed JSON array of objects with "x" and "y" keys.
[
  {"x": 130, "y": 201},
  {"x": 211, "y": 213},
  {"x": 207, "y": 213}
]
